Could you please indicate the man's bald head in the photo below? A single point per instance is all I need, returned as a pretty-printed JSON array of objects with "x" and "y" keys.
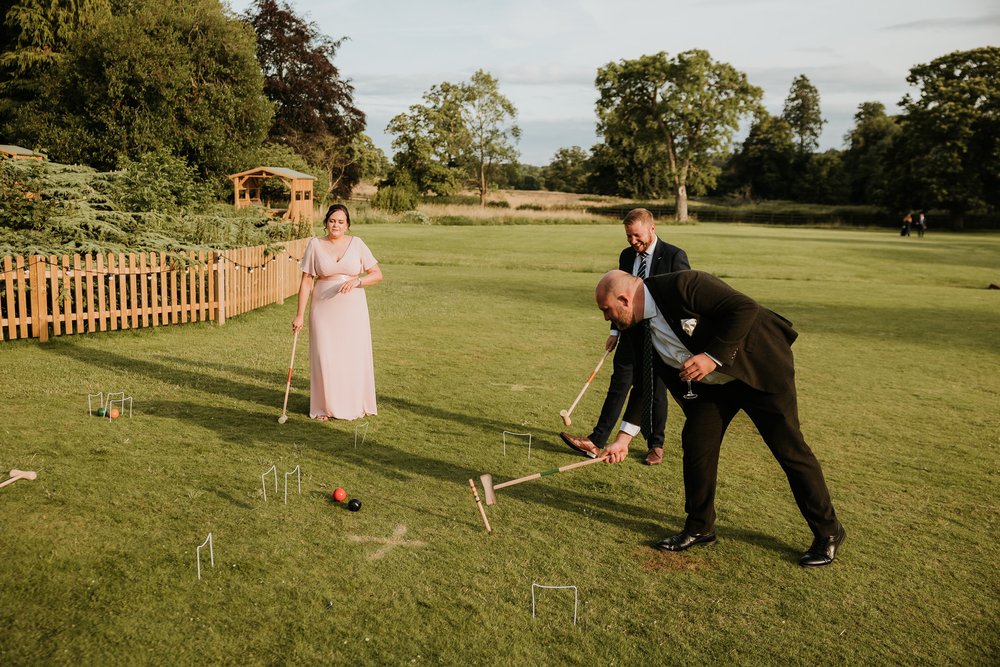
[{"x": 620, "y": 297}]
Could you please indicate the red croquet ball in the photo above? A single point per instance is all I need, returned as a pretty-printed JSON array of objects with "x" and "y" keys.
[
  {"x": 114, "y": 413},
  {"x": 339, "y": 494}
]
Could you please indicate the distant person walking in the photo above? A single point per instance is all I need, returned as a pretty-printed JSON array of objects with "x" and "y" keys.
[
  {"x": 921, "y": 225},
  {"x": 907, "y": 223}
]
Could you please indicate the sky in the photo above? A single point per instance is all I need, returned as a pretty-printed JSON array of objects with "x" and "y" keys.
[{"x": 546, "y": 53}]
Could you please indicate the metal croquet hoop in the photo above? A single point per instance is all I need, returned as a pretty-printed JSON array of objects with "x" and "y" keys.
[{"x": 576, "y": 598}]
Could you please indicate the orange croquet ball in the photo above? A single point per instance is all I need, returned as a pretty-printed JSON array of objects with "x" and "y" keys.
[
  {"x": 339, "y": 494},
  {"x": 114, "y": 413}
]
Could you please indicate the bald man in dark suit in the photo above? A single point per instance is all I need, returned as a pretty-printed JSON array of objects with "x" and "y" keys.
[{"x": 740, "y": 357}]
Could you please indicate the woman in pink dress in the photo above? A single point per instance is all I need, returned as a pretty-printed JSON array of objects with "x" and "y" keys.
[{"x": 342, "y": 374}]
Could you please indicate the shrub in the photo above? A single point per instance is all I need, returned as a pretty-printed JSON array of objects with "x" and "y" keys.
[
  {"x": 530, "y": 207},
  {"x": 500, "y": 203},
  {"x": 452, "y": 200},
  {"x": 396, "y": 198},
  {"x": 415, "y": 218},
  {"x": 23, "y": 204},
  {"x": 158, "y": 182}
]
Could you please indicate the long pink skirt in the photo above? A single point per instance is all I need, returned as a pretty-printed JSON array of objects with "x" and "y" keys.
[{"x": 342, "y": 372}]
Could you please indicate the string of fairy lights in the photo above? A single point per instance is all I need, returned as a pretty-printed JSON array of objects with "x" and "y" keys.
[{"x": 111, "y": 272}]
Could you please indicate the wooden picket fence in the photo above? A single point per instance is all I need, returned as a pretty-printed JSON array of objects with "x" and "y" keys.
[{"x": 42, "y": 296}]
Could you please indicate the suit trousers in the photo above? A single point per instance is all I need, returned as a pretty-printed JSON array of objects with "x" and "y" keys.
[
  {"x": 628, "y": 357},
  {"x": 776, "y": 418}
]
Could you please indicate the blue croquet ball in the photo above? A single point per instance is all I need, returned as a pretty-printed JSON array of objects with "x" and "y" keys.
[
  {"x": 354, "y": 505},
  {"x": 101, "y": 412}
]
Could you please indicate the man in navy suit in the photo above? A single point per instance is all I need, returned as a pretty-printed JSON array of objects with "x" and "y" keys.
[
  {"x": 696, "y": 328},
  {"x": 652, "y": 256}
]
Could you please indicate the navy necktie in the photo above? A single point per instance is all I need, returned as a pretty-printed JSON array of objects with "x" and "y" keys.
[
  {"x": 647, "y": 364},
  {"x": 642, "y": 266}
]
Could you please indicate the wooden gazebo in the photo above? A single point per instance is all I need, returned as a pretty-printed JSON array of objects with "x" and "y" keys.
[
  {"x": 18, "y": 153},
  {"x": 247, "y": 187}
]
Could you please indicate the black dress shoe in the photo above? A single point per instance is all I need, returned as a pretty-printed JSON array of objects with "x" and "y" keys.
[
  {"x": 684, "y": 540},
  {"x": 823, "y": 549}
]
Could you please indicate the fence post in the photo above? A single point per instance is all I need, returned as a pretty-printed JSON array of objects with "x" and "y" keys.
[
  {"x": 220, "y": 287},
  {"x": 39, "y": 302}
]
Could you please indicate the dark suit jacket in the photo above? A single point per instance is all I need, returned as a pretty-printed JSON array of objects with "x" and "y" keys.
[
  {"x": 666, "y": 259},
  {"x": 752, "y": 343}
]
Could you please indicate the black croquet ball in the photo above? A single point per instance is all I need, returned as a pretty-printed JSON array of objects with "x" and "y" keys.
[{"x": 354, "y": 505}]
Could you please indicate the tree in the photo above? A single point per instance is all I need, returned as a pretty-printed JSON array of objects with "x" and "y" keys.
[
  {"x": 429, "y": 139},
  {"x": 802, "y": 114},
  {"x": 314, "y": 107},
  {"x": 177, "y": 75},
  {"x": 461, "y": 133},
  {"x": 33, "y": 37},
  {"x": 824, "y": 181},
  {"x": 766, "y": 159},
  {"x": 949, "y": 150},
  {"x": 672, "y": 119},
  {"x": 489, "y": 117},
  {"x": 867, "y": 158},
  {"x": 568, "y": 170}
]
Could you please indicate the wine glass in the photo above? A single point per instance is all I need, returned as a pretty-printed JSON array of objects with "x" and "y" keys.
[{"x": 690, "y": 393}]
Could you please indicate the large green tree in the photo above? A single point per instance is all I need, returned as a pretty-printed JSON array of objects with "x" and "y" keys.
[
  {"x": 314, "y": 105},
  {"x": 491, "y": 120},
  {"x": 765, "y": 163},
  {"x": 34, "y": 35},
  {"x": 460, "y": 134},
  {"x": 673, "y": 117},
  {"x": 802, "y": 113},
  {"x": 948, "y": 153},
  {"x": 867, "y": 158},
  {"x": 174, "y": 75},
  {"x": 429, "y": 140},
  {"x": 568, "y": 170}
]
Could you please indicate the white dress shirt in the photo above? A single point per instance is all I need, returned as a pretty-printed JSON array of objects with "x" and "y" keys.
[{"x": 670, "y": 348}]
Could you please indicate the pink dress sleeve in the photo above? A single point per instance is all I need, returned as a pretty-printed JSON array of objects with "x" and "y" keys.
[
  {"x": 367, "y": 258},
  {"x": 310, "y": 261}
]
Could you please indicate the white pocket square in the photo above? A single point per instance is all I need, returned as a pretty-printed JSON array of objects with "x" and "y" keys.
[{"x": 689, "y": 325}]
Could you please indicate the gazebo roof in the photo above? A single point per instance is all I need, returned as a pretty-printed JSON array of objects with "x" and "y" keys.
[{"x": 274, "y": 171}]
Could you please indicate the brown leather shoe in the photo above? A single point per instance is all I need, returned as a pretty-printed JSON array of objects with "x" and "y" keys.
[
  {"x": 582, "y": 445},
  {"x": 655, "y": 456}
]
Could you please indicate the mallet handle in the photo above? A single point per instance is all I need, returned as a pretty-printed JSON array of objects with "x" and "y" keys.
[
  {"x": 579, "y": 464},
  {"x": 291, "y": 364},
  {"x": 482, "y": 511},
  {"x": 589, "y": 380}
]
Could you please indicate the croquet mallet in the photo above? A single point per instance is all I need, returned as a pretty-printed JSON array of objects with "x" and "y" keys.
[
  {"x": 291, "y": 364},
  {"x": 566, "y": 413},
  {"x": 489, "y": 488}
]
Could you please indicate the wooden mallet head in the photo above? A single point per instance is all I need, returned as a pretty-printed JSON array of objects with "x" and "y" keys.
[
  {"x": 488, "y": 494},
  {"x": 565, "y": 417},
  {"x": 19, "y": 474}
]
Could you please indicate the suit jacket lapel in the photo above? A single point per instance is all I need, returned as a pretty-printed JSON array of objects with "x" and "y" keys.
[{"x": 658, "y": 251}]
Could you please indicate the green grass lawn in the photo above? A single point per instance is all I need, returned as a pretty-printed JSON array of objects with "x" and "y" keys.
[{"x": 478, "y": 330}]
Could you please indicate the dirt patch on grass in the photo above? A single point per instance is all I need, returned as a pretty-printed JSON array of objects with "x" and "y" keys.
[{"x": 654, "y": 560}]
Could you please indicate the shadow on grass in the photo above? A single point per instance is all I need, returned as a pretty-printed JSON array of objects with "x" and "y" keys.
[
  {"x": 182, "y": 375},
  {"x": 408, "y": 465},
  {"x": 243, "y": 427}
]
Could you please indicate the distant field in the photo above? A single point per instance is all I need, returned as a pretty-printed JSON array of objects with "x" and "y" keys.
[{"x": 483, "y": 329}]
